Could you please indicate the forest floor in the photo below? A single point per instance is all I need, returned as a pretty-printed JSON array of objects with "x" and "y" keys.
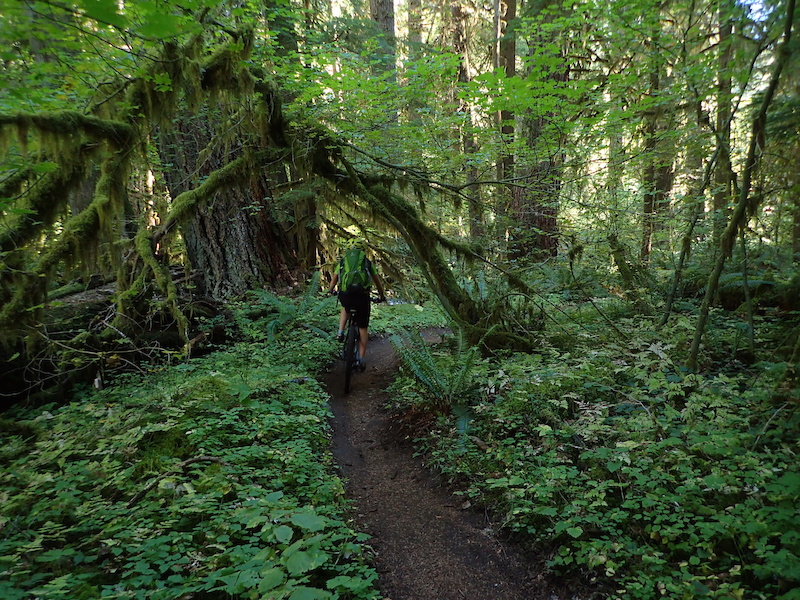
[{"x": 428, "y": 544}]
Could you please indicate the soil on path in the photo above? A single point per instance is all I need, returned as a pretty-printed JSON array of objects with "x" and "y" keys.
[{"x": 427, "y": 545}]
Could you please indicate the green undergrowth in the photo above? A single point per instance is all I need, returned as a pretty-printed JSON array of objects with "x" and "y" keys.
[
  {"x": 264, "y": 316},
  {"x": 208, "y": 479},
  {"x": 406, "y": 317},
  {"x": 649, "y": 480}
]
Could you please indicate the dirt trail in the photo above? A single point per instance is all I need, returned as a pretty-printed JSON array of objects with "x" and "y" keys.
[{"x": 427, "y": 546}]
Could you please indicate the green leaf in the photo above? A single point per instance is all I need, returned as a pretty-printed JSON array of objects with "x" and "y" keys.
[
  {"x": 575, "y": 532},
  {"x": 105, "y": 11},
  {"x": 714, "y": 482},
  {"x": 346, "y": 582},
  {"x": 162, "y": 26},
  {"x": 309, "y": 593},
  {"x": 273, "y": 497},
  {"x": 45, "y": 167},
  {"x": 284, "y": 534},
  {"x": 309, "y": 521},
  {"x": 303, "y": 561},
  {"x": 270, "y": 579},
  {"x": 19, "y": 211}
]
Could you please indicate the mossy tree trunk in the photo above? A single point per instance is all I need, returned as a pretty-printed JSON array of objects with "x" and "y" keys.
[{"x": 233, "y": 241}]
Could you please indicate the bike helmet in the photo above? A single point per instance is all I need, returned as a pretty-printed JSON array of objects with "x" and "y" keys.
[{"x": 357, "y": 242}]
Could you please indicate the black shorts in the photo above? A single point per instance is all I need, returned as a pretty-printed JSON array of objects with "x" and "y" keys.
[{"x": 360, "y": 302}]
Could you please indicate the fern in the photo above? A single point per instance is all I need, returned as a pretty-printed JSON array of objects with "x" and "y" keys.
[
  {"x": 309, "y": 311},
  {"x": 444, "y": 382}
]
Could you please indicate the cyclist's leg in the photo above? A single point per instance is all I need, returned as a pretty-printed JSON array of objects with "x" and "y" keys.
[
  {"x": 363, "y": 338},
  {"x": 362, "y": 319},
  {"x": 345, "y": 300}
]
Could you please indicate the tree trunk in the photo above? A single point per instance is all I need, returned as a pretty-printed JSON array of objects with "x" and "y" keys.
[
  {"x": 382, "y": 12},
  {"x": 461, "y": 47},
  {"x": 796, "y": 225},
  {"x": 415, "y": 22},
  {"x": 658, "y": 173},
  {"x": 233, "y": 243},
  {"x": 505, "y": 58},
  {"x": 723, "y": 175},
  {"x": 534, "y": 204}
]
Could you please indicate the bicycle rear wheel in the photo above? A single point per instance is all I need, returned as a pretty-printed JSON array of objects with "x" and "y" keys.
[{"x": 349, "y": 355}]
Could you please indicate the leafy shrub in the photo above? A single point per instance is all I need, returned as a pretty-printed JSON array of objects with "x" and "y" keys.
[
  {"x": 654, "y": 481},
  {"x": 208, "y": 479},
  {"x": 400, "y": 317}
]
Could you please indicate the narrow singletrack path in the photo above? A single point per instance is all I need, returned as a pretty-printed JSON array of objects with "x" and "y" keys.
[{"x": 427, "y": 546}]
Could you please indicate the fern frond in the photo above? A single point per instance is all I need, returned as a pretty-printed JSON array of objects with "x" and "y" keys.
[
  {"x": 442, "y": 380},
  {"x": 310, "y": 293}
]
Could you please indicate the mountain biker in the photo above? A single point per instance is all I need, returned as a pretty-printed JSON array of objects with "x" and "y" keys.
[{"x": 357, "y": 294}]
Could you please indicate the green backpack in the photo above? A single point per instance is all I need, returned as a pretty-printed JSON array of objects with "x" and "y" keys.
[{"x": 354, "y": 275}]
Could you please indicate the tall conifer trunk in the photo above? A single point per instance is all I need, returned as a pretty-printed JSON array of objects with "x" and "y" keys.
[
  {"x": 468, "y": 144},
  {"x": 658, "y": 170},
  {"x": 723, "y": 174},
  {"x": 382, "y": 12},
  {"x": 233, "y": 243},
  {"x": 534, "y": 204}
]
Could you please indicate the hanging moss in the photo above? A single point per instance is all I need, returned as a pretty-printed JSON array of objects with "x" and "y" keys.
[
  {"x": 164, "y": 281},
  {"x": 79, "y": 234},
  {"x": 67, "y": 123},
  {"x": 12, "y": 185},
  {"x": 45, "y": 199},
  {"x": 73, "y": 140}
]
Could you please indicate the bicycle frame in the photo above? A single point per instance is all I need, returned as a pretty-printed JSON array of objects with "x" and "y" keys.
[
  {"x": 350, "y": 352},
  {"x": 351, "y": 344}
]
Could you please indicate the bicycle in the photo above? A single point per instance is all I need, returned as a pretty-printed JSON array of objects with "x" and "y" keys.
[{"x": 350, "y": 349}]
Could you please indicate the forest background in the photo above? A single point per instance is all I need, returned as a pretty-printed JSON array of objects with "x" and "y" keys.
[{"x": 609, "y": 186}]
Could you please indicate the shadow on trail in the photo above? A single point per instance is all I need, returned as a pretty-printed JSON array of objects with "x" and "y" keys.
[{"x": 427, "y": 547}]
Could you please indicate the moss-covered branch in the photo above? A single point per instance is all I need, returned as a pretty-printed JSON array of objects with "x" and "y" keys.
[
  {"x": 45, "y": 199},
  {"x": 228, "y": 176},
  {"x": 67, "y": 123},
  {"x": 73, "y": 241}
]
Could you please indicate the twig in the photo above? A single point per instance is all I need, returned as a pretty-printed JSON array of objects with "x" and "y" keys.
[{"x": 766, "y": 425}]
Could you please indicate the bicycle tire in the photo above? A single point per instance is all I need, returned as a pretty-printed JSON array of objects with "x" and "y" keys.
[{"x": 349, "y": 355}]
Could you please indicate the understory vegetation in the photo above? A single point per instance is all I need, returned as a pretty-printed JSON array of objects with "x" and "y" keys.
[
  {"x": 210, "y": 478},
  {"x": 598, "y": 197},
  {"x": 605, "y": 452}
]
